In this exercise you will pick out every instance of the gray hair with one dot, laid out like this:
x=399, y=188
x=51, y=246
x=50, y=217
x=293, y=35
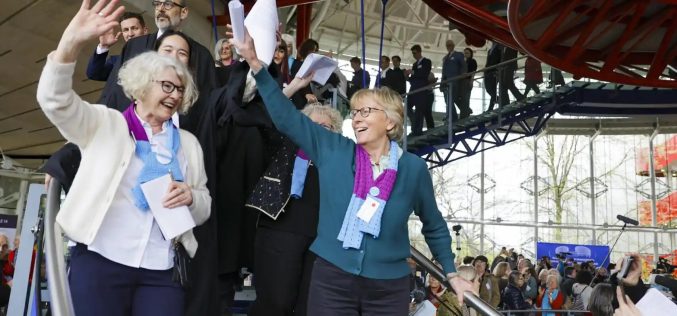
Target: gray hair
x=328, y=111
x=217, y=50
x=392, y=104
x=137, y=74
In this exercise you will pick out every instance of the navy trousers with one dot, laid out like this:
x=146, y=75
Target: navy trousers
x=105, y=288
x=334, y=292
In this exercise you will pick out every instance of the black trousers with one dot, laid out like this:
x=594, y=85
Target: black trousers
x=423, y=102
x=508, y=84
x=531, y=86
x=282, y=266
x=490, y=85
x=334, y=292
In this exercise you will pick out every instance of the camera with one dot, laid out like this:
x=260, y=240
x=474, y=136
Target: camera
x=625, y=268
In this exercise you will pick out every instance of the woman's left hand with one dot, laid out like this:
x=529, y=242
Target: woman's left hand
x=178, y=194
x=625, y=305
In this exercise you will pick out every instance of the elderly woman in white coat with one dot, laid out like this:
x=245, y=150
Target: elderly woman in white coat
x=122, y=264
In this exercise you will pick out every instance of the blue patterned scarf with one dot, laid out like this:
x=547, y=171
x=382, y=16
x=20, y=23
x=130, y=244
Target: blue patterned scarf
x=152, y=168
x=354, y=228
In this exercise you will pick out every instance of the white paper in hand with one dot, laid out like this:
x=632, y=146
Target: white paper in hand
x=172, y=222
x=323, y=67
x=262, y=23
x=236, y=10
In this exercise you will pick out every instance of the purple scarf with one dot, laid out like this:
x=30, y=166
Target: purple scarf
x=364, y=188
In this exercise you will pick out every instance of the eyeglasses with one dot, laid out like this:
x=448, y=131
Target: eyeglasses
x=167, y=5
x=168, y=87
x=364, y=112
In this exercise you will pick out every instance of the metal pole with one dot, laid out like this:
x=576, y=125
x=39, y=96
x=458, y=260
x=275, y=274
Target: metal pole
x=593, y=198
x=535, y=194
x=484, y=97
x=56, y=266
x=450, y=110
x=652, y=174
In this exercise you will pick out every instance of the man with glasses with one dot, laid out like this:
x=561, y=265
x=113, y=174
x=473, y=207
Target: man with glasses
x=100, y=65
x=169, y=15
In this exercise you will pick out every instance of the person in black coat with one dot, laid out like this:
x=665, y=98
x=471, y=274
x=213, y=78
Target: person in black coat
x=508, y=76
x=395, y=77
x=168, y=16
x=512, y=295
x=287, y=225
x=491, y=75
x=419, y=77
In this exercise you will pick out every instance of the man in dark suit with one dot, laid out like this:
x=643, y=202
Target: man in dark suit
x=395, y=77
x=100, y=64
x=491, y=75
x=419, y=77
x=382, y=78
x=508, y=76
x=454, y=65
x=360, y=79
x=168, y=15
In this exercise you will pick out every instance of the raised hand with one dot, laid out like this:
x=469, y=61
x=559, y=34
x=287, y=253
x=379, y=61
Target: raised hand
x=246, y=49
x=109, y=38
x=87, y=24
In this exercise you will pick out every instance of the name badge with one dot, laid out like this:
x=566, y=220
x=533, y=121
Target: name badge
x=368, y=209
x=420, y=65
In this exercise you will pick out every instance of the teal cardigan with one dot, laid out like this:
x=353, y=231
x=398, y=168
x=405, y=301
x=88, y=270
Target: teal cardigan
x=333, y=154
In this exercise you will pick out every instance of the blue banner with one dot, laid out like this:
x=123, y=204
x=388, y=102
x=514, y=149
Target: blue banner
x=579, y=253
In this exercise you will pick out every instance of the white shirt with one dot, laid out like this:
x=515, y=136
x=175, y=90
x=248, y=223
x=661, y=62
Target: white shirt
x=129, y=235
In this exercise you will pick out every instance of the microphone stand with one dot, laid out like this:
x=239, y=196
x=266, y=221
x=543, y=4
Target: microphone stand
x=609, y=253
x=458, y=242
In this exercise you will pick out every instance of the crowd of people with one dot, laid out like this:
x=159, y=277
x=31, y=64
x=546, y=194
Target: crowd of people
x=514, y=283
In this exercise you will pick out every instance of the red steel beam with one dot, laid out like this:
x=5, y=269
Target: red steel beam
x=582, y=69
x=480, y=13
x=303, y=15
x=585, y=33
x=660, y=60
x=632, y=31
x=549, y=34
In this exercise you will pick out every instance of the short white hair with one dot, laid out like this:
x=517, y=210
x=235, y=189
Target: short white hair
x=219, y=45
x=328, y=111
x=137, y=75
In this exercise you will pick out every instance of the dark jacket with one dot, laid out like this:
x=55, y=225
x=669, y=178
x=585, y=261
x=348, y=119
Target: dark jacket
x=420, y=73
x=513, y=299
x=100, y=66
x=395, y=80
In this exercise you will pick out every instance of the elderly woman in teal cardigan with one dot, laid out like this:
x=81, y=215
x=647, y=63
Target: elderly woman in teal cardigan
x=368, y=190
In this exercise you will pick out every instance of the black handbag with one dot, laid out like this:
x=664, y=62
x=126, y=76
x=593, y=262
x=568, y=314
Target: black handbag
x=181, y=262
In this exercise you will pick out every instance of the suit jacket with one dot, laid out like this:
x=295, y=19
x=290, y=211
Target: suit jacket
x=493, y=57
x=201, y=64
x=453, y=65
x=395, y=80
x=100, y=66
x=420, y=72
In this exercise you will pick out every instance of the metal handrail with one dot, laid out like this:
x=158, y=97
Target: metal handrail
x=469, y=298
x=560, y=311
x=60, y=294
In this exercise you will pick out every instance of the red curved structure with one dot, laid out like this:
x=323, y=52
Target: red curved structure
x=628, y=42
x=622, y=41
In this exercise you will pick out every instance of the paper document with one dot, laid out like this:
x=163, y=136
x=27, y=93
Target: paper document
x=262, y=23
x=323, y=67
x=172, y=222
x=236, y=11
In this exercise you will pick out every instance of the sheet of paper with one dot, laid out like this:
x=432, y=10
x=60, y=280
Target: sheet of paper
x=655, y=303
x=172, y=222
x=262, y=23
x=323, y=67
x=236, y=10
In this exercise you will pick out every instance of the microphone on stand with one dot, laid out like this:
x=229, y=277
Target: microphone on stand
x=457, y=229
x=627, y=220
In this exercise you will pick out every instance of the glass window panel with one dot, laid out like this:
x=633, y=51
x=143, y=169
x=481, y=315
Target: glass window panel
x=564, y=167
x=507, y=169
